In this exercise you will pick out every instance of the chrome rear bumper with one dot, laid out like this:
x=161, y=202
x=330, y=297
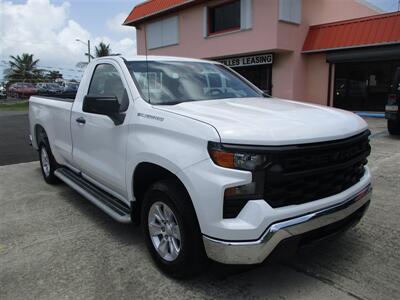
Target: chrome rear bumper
x=253, y=252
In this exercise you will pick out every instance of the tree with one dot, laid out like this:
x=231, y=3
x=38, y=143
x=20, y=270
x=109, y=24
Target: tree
x=53, y=75
x=103, y=50
x=23, y=68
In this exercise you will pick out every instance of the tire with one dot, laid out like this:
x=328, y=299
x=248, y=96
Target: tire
x=47, y=163
x=188, y=260
x=394, y=127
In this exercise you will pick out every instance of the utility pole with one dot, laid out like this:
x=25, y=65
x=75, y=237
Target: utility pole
x=88, y=46
x=89, y=49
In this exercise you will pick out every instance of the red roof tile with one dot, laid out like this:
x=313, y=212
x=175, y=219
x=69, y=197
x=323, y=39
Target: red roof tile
x=151, y=8
x=367, y=31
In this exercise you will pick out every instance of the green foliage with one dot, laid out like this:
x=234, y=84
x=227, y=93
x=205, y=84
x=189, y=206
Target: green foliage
x=103, y=50
x=18, y=106
x=23, y=68
x=53, y=75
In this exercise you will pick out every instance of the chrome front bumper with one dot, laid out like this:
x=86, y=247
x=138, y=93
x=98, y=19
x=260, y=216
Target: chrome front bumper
x=253, y=252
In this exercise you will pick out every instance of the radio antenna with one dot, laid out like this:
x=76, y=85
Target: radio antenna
x=147, y=64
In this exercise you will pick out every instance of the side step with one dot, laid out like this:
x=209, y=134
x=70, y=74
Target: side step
x=112, y=206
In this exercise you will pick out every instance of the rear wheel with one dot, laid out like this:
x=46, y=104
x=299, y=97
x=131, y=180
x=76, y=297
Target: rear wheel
x=394, y=127
x=171, y=229
x=48, y=164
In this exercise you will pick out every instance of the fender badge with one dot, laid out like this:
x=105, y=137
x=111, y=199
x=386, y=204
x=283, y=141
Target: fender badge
x=151, y=117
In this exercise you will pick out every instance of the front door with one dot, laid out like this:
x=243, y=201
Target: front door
x=99, y=146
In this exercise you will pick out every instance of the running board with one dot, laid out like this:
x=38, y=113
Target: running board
x=112, y=206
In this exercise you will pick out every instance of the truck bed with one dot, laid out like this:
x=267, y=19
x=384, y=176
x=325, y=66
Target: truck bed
x=54, y=115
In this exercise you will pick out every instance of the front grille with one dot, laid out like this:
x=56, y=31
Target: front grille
x=304, y=173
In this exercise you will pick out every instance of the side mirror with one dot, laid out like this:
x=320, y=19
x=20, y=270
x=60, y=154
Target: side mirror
x=104, y=105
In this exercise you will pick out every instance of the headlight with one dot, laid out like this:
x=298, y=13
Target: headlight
x=236, y=160
x=227, y=156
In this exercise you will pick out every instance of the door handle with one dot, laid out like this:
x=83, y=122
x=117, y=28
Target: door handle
x=80, y=121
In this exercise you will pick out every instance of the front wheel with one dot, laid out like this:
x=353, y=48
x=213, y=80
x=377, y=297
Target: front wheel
x=48, y=164
x=394, y=127
x=171, y=229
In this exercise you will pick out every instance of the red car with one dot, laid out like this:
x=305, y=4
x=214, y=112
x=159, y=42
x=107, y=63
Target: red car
x=22, y=90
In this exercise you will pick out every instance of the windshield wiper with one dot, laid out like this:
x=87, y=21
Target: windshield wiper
x=177, y=102
x=266, y=95
x=170, y=103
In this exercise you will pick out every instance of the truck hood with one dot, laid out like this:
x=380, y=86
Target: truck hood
x=271, y=121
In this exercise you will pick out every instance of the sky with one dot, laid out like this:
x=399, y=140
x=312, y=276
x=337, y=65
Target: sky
x=49, y=29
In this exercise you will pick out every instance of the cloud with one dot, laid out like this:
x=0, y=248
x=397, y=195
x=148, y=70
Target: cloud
x=47, y=30
x=115, y=24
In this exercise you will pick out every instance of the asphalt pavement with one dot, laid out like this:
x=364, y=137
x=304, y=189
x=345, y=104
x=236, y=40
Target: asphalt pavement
x=14, y=138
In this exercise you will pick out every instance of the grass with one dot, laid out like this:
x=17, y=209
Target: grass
x=17, y=106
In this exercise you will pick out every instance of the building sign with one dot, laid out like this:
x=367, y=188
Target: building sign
x=245, y=61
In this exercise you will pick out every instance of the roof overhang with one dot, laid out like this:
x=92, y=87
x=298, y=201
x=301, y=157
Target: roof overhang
x=377, y=30
x=156, y=8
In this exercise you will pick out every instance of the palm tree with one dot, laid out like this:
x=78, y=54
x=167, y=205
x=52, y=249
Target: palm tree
x=23, y=67
x=53, y=75
x=103, y=50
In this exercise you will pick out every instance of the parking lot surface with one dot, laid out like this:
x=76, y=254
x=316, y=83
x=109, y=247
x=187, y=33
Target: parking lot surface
x=56, y=245
x=14, y=138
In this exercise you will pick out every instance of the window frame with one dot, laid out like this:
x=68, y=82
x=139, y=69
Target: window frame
x=289, y=17
x=160, y=22
x=210, y=18
x=120, y=76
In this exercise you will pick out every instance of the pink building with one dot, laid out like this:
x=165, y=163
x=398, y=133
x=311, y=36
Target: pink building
x=280, y=45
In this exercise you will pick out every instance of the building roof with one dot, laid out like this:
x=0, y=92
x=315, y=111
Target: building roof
x=361, y=32
x=151, y=8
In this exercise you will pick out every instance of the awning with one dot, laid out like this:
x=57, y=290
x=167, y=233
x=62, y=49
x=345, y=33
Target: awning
x=383, y=29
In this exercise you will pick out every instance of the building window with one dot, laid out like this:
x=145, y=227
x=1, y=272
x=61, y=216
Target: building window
x=224, y=17
x=162, y=33
x=290, y=11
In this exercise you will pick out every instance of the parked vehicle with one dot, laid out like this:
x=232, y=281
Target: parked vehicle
x=70, y=90
x=71, y=87
x=22, y=90
x=49, y=88
x=208, y=171
x=392, y=109
x=3, y=93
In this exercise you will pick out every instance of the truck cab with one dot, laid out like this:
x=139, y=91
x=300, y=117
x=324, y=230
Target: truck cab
x=392, y=109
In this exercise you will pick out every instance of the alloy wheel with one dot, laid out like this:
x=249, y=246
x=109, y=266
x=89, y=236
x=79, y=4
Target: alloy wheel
x=164, y=231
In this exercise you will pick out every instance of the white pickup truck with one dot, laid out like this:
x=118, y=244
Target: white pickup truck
x=203, y=160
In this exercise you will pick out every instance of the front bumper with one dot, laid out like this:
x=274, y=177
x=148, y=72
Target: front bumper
x=256, y=251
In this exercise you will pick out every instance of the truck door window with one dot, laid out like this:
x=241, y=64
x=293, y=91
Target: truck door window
x=107, y=82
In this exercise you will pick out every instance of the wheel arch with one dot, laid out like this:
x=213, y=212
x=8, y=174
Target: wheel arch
x=39, y=134
x=144, y=175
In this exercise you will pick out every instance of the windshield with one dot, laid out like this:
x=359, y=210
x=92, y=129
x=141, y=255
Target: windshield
x=28, y=85
x=172, y=82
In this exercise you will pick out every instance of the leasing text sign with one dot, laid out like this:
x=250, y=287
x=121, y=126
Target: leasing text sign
x=243, y=61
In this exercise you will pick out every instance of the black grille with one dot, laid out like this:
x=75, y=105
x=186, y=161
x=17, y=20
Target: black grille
x=304, y=173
